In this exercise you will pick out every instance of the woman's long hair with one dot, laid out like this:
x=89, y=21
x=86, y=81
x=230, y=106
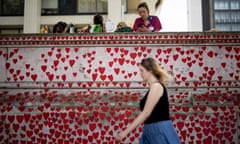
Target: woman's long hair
x=151, y=65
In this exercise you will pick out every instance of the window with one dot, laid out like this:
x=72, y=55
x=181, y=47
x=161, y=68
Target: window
x=8, y=29
x=223, y=15
x=67, y=7
x=11, y=7
x=92, y=6
x=49, y=7
x=72, y=7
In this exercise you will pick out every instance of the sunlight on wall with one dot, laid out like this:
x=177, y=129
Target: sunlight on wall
x=173, y=15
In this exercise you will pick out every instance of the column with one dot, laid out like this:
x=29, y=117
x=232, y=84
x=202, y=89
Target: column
x=32, y=14
x=115, y=11
x=194, y=15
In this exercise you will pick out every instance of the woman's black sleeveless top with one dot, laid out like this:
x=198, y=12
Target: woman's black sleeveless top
x=161, y=109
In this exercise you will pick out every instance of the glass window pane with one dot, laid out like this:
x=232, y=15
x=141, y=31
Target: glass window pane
x=49, y=4
x=0, y=7
x=12, y=7
x=49, y=7
x=102, y=6
x=86, y=6
x=9, y=31
x=67, y=6
x=227, y=15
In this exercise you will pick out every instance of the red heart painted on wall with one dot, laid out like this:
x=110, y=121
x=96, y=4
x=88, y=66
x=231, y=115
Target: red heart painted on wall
x=7, y=65
x=44, y=68
x=34, y=77
x=64, y=77
x=71, y=62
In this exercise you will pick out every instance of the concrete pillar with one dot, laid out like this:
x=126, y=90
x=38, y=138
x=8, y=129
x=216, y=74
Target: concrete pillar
x=194, y=15
x=115, y=11
x=32, y=14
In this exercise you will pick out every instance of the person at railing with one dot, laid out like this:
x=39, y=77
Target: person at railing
x=60, y=27
x=123, y=27
x=146, y=22
x=158, y=128
x=97, y=25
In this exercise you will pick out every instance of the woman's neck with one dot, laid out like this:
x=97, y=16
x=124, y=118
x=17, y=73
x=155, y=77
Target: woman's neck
x=152, y=80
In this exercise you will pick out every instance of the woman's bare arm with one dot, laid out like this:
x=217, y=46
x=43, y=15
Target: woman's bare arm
x=156, y=91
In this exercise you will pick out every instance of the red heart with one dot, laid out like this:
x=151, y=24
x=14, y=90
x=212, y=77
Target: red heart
x=85, y=132
x=79, y=131
x=64, y=77
x=92, y=126
x=11, y=118
x=15, y=127
x=34, y=77
x=185, y=109
x=208, y=139
x=71, y=62
x=180, y=125
x=50, y=77
x=40, y=108
x=133, y=55
x=43, y=67
x=19, y=118
x=175, y=57
x=190, y=74
x=103, y=77
x=7, y=65
x=55, y=62
x=11, y=70
x=184, y=78
x=210, y=54
x=238, y=64
x=110, y=77
x=21, y=77
x=229, y=48
x=11, y=54
x=58, y=55
x=121, y=61
x=101, y=69
x=50, y=54
x=108, y=50
x=94, y=76
x=102, y=116
x=76, y=50
x=133, y=62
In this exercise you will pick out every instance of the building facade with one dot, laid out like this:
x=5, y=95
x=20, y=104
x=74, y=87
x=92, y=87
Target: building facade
x=27, y=16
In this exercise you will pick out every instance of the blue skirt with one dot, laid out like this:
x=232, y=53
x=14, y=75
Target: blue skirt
x=161, y=132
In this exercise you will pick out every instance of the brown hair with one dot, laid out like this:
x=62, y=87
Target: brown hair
x=144, y=5
x=151, y=65
x=121, y=24
x=98, y=19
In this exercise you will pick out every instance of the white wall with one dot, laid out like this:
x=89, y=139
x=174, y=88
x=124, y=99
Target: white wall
x=180, y=15
x=194, y=15
x=173, y=15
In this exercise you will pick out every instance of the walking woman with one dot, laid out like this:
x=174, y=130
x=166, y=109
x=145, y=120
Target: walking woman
x=158, y=128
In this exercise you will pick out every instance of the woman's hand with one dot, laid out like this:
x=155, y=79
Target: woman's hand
x=120, y=136
x=143, y=29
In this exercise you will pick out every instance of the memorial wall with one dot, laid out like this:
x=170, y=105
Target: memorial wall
x=85, y=88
